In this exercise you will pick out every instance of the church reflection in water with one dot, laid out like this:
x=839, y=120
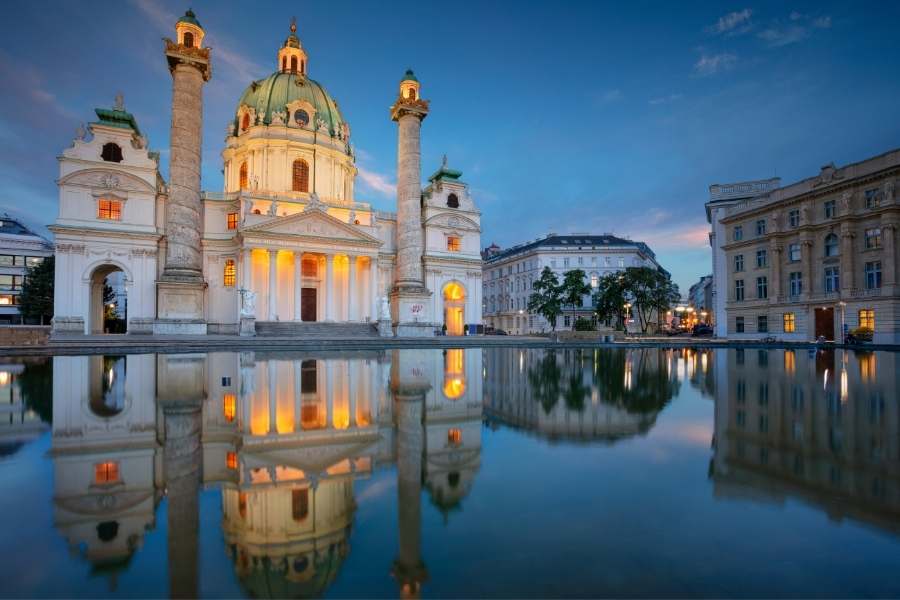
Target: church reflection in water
x=821, y=427
x=283, y=435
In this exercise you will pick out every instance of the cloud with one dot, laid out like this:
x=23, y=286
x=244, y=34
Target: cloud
x=709, y=65
x=378, y=183
x=665, y=99
x=734, y=23
x=799, y=28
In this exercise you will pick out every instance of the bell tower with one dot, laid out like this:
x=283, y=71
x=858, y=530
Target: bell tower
x=410, y=299
x=181, y=288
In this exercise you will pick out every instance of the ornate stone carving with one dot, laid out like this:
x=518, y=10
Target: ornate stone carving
x=314, y=203
x=273, y=208
x=352, y=218
x=846, y=197
x=278, y=117
x=889, y=192
x=248, y=303
x=80, y=132
x=828, y=174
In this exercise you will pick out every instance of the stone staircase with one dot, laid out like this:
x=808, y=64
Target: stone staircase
x=316, y=330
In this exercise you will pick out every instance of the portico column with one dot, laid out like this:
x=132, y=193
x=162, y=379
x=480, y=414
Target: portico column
x=298, y=260
x=352, y=387
x=246, y=268
x=329, y=394
x=373, y=288
x=273, y=284
x=329, y=288
x=351, y=288
x=273, y=407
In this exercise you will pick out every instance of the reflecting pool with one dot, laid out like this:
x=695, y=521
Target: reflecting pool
x=452, y=473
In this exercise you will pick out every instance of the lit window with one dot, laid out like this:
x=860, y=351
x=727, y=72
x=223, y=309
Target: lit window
x=111, y=153
x=230, y=273
x=789, y=322
x=7, y=300
x=245, y=122
x=109, y=210
x=595, y=280
x=232, y=220
x=106, y=472
x=453, y=243
x=242, y=174
x=231, y=460
x=188, y=39
x=300, y=175
x=867, y=318
x=454, y=436
x=229, y=407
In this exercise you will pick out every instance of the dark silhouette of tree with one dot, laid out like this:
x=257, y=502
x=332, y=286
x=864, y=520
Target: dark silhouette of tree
x=36, y=299
x=36, y=386
x=635, y=379
x=547, y=298
x=544, y=379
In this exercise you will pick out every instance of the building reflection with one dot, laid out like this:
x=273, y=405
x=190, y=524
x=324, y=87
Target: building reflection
x=21, y=416
x=284, y=436
x=587, y=395
x=822, y=427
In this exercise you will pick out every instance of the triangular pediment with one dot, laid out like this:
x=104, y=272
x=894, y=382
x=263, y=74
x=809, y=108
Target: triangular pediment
x=312, y=223
x=311, y=459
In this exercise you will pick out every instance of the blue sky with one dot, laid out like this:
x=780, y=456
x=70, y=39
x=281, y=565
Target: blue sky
x=563, y=116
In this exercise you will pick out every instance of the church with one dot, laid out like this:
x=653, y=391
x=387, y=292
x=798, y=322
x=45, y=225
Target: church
x=285, y=248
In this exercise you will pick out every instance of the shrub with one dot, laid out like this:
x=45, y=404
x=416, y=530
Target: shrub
x=582, y=324
x=863, y=333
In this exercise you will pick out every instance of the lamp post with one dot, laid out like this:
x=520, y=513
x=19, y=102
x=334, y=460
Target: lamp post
x=843, y=306
x=627, y=307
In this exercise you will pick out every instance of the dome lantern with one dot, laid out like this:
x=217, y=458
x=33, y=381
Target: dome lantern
x=409, y=86
x=188, y=30
x=291, y=56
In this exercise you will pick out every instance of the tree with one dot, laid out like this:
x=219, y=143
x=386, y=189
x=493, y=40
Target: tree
x=649, y=290
x=547, y=298
x=574, y=288
x=544, y=379
x=36, y=299
x=610, y=299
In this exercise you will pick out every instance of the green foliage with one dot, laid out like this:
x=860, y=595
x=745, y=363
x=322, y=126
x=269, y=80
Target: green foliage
x=574, y=288
x=647, y=290
x=544, y=379
x=547, y=298
x=863, y=333
x=36, y=386
x=610, y=299
x=636, y=380
x=582, y=324
x=36, y=299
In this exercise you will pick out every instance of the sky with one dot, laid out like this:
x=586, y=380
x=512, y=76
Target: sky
x=565, y=117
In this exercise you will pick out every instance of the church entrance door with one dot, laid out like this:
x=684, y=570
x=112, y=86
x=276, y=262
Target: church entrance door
x=308, y=304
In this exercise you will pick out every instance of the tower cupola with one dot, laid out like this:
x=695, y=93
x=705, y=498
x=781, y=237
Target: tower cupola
x=409, y=86
x=188, y=30
x=292, y=57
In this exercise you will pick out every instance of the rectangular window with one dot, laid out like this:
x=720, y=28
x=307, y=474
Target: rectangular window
x=109, y=210
x=232, y=220
x=873, y=237
x=794, y=218
x=33, y=261
x=762, y=324
x=873, y=199
x=832, y=279
x=762, y=287
x=789, y=325
x=454, y=436
x=794, y=252
x=567, y=321
x=580, y=260
x=10, y=282
x=873, y=275
x=761, y=227
x=453, y=243
x=739, y=324
x=621, y=263
x=229, y=406
x=230, y=273
x=796, y=281
x=565, y=262
x=231, y=460
x=829, y=209
x=738, y=290
x=762, y=258
x=867, y=318
x=738, y=233
x=106, y=472
x=8, y=300
x=738, y=263
x=7, y=260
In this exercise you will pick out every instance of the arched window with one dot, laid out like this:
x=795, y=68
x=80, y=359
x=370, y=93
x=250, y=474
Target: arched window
x=453, y=201
x=293, y=64
x=411, y=93
x=188, y=39
x=242, y=184
x=111, y=152
x=299, y=504
x=284, y=63
x=831, y=245
x=300, y=176
x=245, y=122
x=107, y=531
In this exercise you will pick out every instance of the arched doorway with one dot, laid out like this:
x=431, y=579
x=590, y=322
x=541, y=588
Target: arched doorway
x=109, y=304
x=454, y=308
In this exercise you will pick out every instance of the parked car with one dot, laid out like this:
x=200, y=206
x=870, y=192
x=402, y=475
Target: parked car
x=492, y=331
x=701, y=329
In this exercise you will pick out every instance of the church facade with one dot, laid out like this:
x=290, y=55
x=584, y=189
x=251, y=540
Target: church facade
x=286, y=243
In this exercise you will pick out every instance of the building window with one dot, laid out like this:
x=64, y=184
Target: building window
x=831, y=245
x=738, y=263
x=738, y=290
x=739, y=324
x=230, y=273
x=231, y=460
x=794, y=218
x=242, y=177
x=111, y=153
x=453, y=201
x=829, y=209
x=454, y=244
x=796, y=281
x=567, y=321
x=106, y=472
x=595, y=280
x=245, y=122
x=293, y=64
x=762, y=324
x=309, y=267
x=309, y=383
x=761, y=258
x=565, y=262
x=8, y=300
x=232, y=220
x=738, y=233
x=762, y=287
x=832, y=279
x=867, y=318
x=789, y=325
x=794, y=252
x=284, y=63
x=299, y=504
x=188, y=39
x=873, y=237
x=873, y=200
x=229, y=407
x=454, y=436
x=9, y=283
x=873, y=275
x=300, y=179
x=109, y=210
x=621, y=263
x=761, y=227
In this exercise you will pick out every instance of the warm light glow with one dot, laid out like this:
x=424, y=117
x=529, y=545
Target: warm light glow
x=454, y=436
x=229, y=407
x=231, y=460
x=339, y=468
x=106, y=472
x=790, y=360
x=454, y=388
x=4, y=378
x=867, y=367
x=844, y=385
x=628, y=377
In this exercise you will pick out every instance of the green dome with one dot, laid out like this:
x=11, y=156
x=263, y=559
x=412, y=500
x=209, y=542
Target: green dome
x=190, y=17
x=279, y=89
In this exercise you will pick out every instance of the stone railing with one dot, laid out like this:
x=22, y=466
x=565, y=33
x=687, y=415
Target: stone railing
x=287, y=198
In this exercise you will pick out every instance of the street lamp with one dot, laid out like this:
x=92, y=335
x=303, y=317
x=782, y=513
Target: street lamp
x=627, y=307
x=843, y=306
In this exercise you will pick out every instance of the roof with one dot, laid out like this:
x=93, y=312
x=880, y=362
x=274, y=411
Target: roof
x=445, y=173
x=409, y=76
x=580, y=241
x=117, y=118
x=190, y=17
x=12, y=226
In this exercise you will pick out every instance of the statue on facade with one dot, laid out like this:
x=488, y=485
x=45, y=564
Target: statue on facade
x=273, y=209
x=384, y=312
x=352, y=218
x=80, y=132
x=314, y=202
x=845, y=203
x=248, y=303
x=278, y=117
x=119, y=103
